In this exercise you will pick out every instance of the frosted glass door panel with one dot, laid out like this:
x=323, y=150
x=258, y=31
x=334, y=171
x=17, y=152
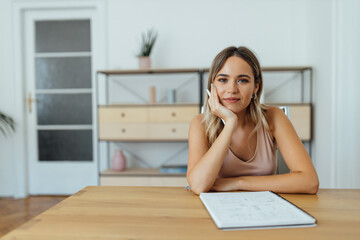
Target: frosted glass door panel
x=64, y=72
x=57, y=109
x=59, y=76
x=65, y=145
x=63, y=36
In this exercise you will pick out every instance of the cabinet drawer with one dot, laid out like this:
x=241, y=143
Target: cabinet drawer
x=300, y=116
x=126, y=131
x=173, y=114
x=123, y=115
x=168, y=131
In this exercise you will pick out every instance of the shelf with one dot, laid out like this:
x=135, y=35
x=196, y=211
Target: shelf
x=286, y=69
x=135, y=105
x=287, y=104
x=193, y=70
x=279, y=69
x=144, y=140
x=149, y=71
x=143, y=172
x=142, y=177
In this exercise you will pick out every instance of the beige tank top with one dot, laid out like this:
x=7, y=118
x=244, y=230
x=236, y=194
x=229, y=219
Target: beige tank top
x=264, y=161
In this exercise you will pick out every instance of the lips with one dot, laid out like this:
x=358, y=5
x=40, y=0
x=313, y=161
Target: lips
x=231, y=99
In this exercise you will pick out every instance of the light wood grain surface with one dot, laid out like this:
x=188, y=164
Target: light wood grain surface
x=174, y=213
x=158, y=122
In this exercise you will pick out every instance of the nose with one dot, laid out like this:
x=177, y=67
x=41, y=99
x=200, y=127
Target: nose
x=232, y=87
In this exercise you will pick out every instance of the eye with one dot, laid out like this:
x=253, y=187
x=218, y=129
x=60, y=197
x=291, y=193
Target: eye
x=243, y=80
x=222, y=79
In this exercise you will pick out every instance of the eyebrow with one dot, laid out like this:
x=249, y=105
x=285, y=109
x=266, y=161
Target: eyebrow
x=225, y=75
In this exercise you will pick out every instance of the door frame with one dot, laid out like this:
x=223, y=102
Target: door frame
x=20, y=180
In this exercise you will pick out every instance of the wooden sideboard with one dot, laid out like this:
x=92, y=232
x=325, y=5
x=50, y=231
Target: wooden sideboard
x=300, y=117
x=146, y=122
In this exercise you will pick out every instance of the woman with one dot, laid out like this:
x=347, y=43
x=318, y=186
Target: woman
x=241, y=154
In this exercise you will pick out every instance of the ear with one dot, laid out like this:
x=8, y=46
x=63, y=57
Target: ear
x=256, y=88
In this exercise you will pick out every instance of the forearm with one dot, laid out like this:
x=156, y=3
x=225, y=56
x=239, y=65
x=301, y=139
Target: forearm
x=296, y=182
x=203, y=175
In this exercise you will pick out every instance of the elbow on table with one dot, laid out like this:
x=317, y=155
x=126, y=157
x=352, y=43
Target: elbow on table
x=197, y=188
x=313, y=187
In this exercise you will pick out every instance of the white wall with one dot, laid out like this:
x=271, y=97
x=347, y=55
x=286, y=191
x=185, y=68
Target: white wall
x=191, y=33
x=282, y=33
x=346, y=85
x=7, y=99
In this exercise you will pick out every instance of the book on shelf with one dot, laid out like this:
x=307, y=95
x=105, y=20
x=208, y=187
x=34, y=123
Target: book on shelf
x=173, y=169
x=254, y=210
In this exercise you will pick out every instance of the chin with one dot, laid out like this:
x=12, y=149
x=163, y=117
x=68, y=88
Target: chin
x=234, y=110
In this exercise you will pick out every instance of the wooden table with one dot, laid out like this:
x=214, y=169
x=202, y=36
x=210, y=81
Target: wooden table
x=174, y=213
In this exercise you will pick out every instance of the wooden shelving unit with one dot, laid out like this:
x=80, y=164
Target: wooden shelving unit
x=146, y=123
x=301, y=117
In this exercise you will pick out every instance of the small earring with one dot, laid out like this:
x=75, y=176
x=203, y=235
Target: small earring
x=254, y=96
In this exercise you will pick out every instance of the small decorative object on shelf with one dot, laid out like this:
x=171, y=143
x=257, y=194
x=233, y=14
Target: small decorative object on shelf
x=152, y=95
x=171, y=96
x=118, y=162
x=144, y=62
x=147, y=43
x=173, y=169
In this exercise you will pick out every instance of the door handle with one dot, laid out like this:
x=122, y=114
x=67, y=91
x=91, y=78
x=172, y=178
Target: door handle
x=30, y=101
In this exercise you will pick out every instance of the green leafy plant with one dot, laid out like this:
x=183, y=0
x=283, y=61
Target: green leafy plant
x=6, y=123
x=147, y=43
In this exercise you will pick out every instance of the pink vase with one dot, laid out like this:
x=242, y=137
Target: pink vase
x=118, y=162
x=144, y=62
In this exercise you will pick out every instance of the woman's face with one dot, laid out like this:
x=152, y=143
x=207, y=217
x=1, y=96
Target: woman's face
x=235, y=84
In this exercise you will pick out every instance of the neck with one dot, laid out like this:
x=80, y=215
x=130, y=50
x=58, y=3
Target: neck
x=242, y=121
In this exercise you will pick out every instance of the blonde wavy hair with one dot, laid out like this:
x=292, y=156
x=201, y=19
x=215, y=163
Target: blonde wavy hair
x=256, y=112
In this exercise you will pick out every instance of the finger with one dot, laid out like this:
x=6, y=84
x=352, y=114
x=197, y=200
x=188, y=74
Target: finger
x=216, y=96
x=211, y=104
x=212, y=98
x=213, y=92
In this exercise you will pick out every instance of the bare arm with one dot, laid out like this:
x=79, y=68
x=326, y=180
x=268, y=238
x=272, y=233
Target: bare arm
x=204, y=163
x=302, y=177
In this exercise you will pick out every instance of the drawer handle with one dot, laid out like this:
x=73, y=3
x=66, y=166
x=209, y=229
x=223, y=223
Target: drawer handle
x=173, y=114
x=173, y=130
x=122, y=114
x=123, y=130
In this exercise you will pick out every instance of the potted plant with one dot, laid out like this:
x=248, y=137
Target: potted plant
x=147, y=43
x=6, y=123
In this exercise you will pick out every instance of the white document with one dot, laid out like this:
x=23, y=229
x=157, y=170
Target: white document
x=254, y=210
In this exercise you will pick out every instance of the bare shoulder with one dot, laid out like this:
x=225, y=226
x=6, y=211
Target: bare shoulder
x=279, y=123
x=197, y=128
x=273, y=111
x=197, y=120
x=273, y=115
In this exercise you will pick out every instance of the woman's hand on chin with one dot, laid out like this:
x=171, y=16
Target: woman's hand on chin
x=219, y=110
